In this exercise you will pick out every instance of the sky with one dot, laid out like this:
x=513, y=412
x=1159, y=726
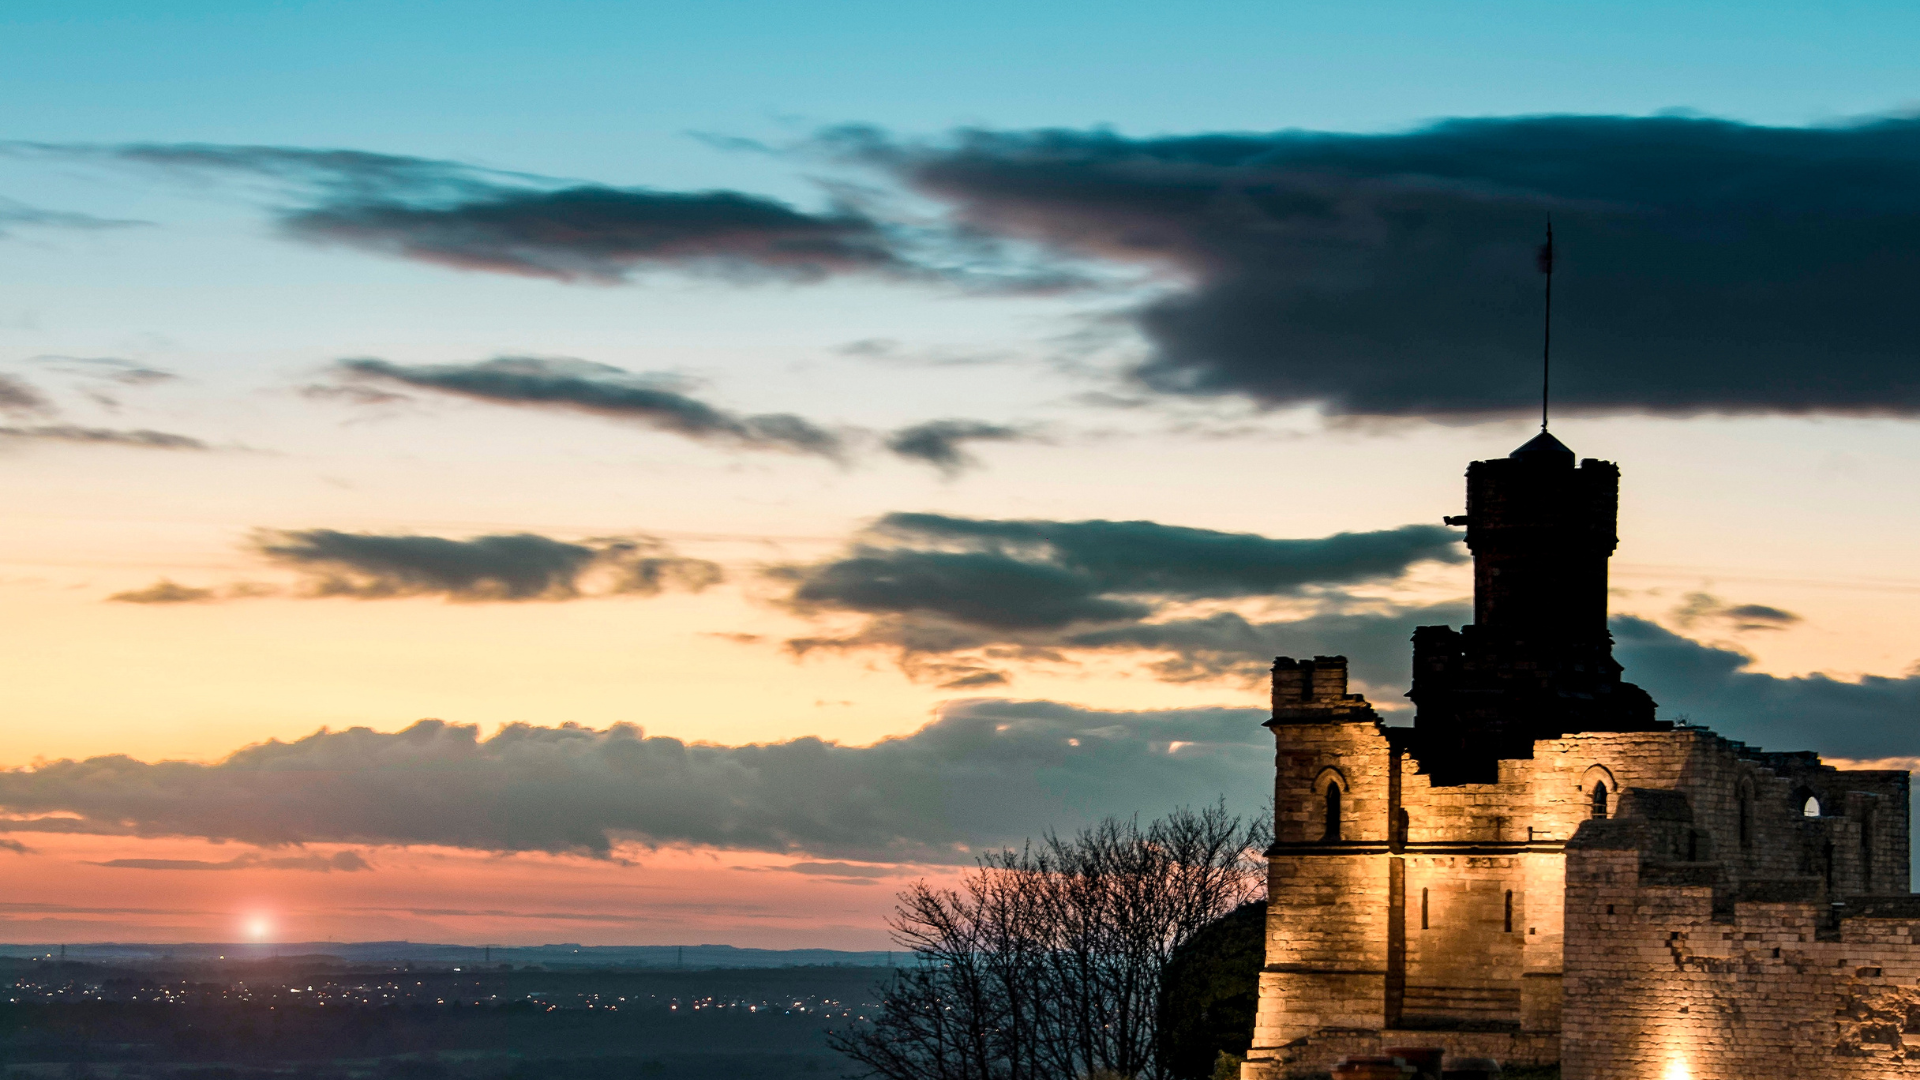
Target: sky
x=649, y=474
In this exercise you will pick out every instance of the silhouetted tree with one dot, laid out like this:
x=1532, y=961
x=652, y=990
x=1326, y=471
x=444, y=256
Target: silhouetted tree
x=1210, y=992
x=1047, y=963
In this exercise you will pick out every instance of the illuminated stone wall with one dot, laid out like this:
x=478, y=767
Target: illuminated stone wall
x=1433, y=916
x=1669, y=977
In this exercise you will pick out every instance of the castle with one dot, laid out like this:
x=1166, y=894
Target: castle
x=1539, y=871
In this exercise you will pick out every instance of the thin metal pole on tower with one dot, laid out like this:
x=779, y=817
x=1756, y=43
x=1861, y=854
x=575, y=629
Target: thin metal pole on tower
x=1545, y=258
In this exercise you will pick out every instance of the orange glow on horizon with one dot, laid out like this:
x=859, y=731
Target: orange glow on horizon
x=62, y=890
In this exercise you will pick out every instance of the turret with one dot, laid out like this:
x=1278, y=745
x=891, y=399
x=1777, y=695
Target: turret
x=1315, y=692
x=1541, y=531
x=1537, y=661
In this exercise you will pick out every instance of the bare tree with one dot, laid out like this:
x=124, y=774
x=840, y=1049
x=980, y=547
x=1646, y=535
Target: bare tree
x=1046, y=963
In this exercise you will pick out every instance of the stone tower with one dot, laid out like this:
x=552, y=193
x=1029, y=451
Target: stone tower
x=1516, y=863
x=1537, y=661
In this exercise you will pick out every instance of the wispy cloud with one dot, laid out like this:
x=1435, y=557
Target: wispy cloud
x=942, y=443
x=20, y=398
x=164, y=591
x=510, y=566
x=491, y=220
x=110, y=368
x=138, y=438
x=346, y=861
x=16, y=214
x=603, y=390
x=1701, y=607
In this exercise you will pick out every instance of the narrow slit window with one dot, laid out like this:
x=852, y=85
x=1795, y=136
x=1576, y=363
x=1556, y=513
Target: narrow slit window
x=1746, y=820
x=1599, y=798
x=1866, y=849
x=1423, y=909
x=1509, y=911
x=1333, y=812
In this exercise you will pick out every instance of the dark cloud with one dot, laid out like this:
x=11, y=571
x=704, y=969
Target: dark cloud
x=942, y=443
x=140, y=438
x=606, y=391
x=1031, y=573
x=952, y=596
x=1876, y=716
x=1229, y=645
x=1701, y=607
x=515, y=566
x=164, y=592
x=983, y=773
x=603, y=234
x=472, y=218
x=347, y=861
x=1705, y=266
x=16, y=396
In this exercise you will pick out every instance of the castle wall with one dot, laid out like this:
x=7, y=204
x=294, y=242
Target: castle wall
x=1437, y=916
x=1661, y=985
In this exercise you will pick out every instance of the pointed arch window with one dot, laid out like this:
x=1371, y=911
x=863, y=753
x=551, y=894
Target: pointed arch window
x=1599, y=798
x=1333, y=813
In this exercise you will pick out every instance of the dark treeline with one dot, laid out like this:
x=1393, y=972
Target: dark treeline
x=1049, y=963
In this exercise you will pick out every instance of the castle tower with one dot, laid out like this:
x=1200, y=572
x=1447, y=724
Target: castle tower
x=1541, y=531
x=1327, y=955
x=1537, y=661
x=1537, y=864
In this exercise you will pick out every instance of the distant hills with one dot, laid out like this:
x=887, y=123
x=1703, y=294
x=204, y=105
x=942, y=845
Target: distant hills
x=690, y=957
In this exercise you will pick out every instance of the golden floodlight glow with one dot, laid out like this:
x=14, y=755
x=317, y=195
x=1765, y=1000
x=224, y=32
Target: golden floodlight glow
x=1678, y=1070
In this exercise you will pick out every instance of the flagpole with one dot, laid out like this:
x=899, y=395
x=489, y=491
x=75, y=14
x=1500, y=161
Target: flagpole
x=1546, y=342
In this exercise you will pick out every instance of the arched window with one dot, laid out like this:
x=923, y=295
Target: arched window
x=1333, y=812
x=1811, y=808
x=1509, y=911
x=1599, y=798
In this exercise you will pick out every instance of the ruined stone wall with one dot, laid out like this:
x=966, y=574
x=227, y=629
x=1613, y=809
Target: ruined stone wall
x=1660, y=985
x=1747, y=806
x=1440, y=914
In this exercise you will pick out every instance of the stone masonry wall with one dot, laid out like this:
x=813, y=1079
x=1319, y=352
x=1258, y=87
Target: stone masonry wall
x=1659, y=985
x=1445, y=914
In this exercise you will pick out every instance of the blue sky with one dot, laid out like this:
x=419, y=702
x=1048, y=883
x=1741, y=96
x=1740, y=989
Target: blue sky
x=610, y=89
x=246, y=477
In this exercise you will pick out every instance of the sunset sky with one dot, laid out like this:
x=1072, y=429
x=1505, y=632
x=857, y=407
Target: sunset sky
x=786, y=449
